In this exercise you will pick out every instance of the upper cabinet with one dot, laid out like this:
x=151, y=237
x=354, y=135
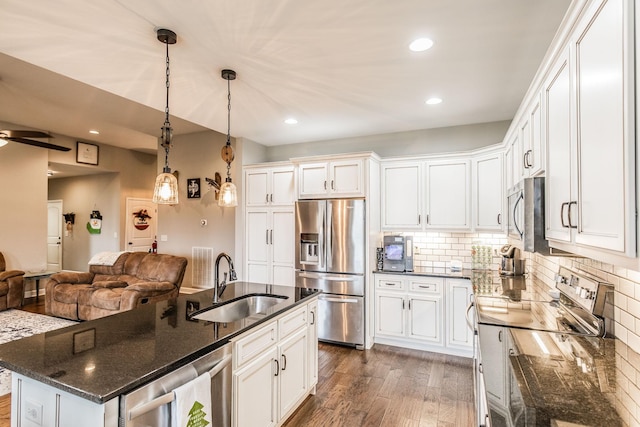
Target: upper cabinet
x=426, y=195
x=488, y=192
x=589, y=105
x=270, y=186
x=338, y=178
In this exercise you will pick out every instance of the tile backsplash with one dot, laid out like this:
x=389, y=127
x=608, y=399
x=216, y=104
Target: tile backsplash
x=434, y=251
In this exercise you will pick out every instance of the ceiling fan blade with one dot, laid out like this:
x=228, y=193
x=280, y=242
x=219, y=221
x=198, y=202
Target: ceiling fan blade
x=24, y=134
x=39, y=144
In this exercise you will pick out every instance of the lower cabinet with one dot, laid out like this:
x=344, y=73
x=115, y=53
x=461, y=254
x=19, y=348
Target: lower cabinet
x=275, y=368
x=422, y=312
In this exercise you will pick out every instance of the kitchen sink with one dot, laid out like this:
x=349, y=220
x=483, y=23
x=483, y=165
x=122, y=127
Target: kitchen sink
x=240, y=308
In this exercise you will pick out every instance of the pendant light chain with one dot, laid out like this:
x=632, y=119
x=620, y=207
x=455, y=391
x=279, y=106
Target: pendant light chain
x=166, y=108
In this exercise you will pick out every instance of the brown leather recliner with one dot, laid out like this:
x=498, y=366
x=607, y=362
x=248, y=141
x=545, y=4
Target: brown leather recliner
x=135, y=278
x=11, y=286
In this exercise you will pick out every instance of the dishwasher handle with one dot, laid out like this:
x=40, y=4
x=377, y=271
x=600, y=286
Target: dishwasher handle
x=168, y=397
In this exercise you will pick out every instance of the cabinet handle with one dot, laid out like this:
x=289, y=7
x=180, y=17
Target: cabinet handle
x=419, y=219
x=271, y=197
x=325, y=185
x=569, y=214
x=499, y=219
x=527, y=160
x=266, y=236
x=427, y=219
x=267, y=198
x=284, y=362
x=332, y=186
x=562, y=223
x=277, y=367
x=271, y=236
x=500, y=336
x=390, y=284
x=403, y=303
x=313, y=317
x=409, y=304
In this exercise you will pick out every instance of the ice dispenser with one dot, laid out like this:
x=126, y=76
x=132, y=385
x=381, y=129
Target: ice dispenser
x=309, y=248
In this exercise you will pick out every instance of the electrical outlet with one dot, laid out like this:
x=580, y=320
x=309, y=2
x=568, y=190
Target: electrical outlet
x=33, y=411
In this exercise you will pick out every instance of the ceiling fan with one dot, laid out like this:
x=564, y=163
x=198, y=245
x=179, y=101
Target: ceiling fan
x=22, y=135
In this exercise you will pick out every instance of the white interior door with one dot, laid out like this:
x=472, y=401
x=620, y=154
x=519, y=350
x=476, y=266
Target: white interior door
x=141, y=224
x=54, y=235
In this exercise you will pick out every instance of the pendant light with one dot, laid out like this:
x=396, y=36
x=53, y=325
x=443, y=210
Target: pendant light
x=166, y=189
x=228, y=195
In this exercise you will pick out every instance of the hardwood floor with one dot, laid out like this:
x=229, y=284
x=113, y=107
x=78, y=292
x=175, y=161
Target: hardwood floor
x=385, y=386
x=389, y=386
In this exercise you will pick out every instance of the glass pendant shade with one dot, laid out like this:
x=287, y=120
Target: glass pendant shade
x=228, y=196
x=165, y=191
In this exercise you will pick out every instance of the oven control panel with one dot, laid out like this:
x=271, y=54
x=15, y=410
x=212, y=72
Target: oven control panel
x=587, y=292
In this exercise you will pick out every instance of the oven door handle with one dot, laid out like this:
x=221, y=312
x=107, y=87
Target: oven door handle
x=341, y=300
x=169, y=397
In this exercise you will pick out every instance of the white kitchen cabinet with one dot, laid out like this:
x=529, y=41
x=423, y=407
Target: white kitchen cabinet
x=488, y=191
x=458, y=296
x=534, y=151
x=270, y=186
x=270, y=245
x=312, y=309
x=448, y=194
x=514, y=158
x=409, y=309
x=590, y=136
x=272, y=374
x=337, y=178
x=495, y=363
x=401, y=196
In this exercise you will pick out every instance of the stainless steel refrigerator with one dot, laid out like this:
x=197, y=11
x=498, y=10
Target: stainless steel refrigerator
x=330, y=256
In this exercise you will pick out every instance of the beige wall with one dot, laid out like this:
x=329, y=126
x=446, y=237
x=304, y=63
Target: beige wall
x=425, y=141
x=23, y=216
x=197, y=155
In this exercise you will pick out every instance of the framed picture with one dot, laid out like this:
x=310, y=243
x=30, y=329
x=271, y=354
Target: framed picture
x=86, y=153
x=192, y=307
x=193, y=188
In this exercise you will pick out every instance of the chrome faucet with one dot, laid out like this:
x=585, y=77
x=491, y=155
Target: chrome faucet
x=219, y=287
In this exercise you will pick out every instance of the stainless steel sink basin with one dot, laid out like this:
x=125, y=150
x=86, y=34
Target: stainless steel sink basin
x=240, y=308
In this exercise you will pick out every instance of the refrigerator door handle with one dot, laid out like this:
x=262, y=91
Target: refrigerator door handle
x=324, y=276
x=340, y=300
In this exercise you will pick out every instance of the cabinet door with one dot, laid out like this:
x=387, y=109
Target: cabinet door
x=312, y=318
x=390, y=314
x=346, y=178
x=489, y=193
x=494, y=363
x=459, y=333
x=282, y=237
x=515, y=148
x=448, y=195
x=425, y=318
x=557, y=102
x=293, y=371
x=255, y=396
x=312, y=180
x=282, y=187
x=535, y=159
x=401, y=196
x=525, y=147
x=602, y=79
x=257, y=187
x=257, y=238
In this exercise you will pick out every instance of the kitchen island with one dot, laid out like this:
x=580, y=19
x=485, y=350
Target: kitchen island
x=76, y=375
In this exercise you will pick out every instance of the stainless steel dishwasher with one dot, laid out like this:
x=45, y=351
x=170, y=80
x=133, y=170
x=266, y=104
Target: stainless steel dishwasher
x=150, y=405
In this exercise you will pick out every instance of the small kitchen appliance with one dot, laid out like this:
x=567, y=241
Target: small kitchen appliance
x=398, y=253
x=511, y=264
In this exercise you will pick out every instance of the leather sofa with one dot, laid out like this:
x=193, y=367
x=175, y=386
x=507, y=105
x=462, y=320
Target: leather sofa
x=134, y=279
x=11, y=286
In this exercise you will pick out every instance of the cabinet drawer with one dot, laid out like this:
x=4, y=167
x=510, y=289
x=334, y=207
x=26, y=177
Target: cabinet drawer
x=292, y=322
x=255, y=343
x=430, y=285
x=397, y=284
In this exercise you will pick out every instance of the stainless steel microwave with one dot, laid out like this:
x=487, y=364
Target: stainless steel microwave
x=525, y=215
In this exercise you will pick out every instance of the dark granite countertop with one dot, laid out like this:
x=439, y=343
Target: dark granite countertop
x=103, y=358
x=552, y=377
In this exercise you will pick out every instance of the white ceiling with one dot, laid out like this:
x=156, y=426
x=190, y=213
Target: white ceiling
x=342, y=68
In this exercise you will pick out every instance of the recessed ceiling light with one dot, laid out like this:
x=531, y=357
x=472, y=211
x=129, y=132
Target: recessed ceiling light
x=420, y=45
x=433, y=101
x=291, y=121
x=94, y=132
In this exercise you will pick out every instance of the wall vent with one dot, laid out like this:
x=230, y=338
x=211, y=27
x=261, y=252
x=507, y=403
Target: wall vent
x=202, y=269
